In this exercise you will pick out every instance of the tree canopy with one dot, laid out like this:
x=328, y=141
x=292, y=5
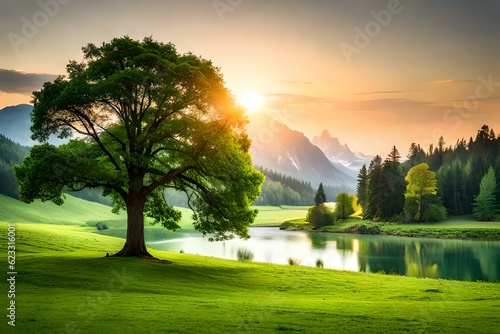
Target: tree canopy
x=421, y=182
x=146, y=118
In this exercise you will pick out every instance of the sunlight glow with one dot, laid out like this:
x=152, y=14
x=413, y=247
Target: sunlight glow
x=251, y=100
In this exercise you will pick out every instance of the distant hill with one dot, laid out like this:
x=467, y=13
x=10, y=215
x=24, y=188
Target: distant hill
x=15, y=123
x=276, y=147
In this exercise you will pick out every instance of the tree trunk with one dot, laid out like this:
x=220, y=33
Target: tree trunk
x=135, y=244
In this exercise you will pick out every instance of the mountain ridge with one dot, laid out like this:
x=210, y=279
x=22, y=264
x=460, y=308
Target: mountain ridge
x=340, y=154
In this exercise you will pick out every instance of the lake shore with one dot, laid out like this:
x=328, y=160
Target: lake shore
x=457, y=228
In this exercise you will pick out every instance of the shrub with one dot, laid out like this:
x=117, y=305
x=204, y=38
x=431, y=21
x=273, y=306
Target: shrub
x=101, y=226
x=363, y=229
x=285, y=225
x=319, y=216
x=244, y=255
x=410, y=210
x=434, y=213
x=319, y=263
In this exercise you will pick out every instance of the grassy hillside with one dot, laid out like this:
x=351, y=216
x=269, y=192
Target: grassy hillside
x=79, y=212
x=74, y=211
x=65, y=285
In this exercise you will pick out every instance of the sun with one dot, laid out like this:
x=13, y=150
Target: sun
x=251, y=100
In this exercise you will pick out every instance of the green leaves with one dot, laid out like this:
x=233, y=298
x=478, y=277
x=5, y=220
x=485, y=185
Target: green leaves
x=39, y=176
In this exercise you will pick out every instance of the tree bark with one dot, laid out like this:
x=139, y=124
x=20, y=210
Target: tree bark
x=135, y=246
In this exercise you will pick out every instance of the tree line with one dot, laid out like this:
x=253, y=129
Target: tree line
x=454, y=180
x=279, y=189
x=429, y=186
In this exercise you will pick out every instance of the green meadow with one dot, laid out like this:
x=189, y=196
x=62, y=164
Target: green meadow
x=65, y=284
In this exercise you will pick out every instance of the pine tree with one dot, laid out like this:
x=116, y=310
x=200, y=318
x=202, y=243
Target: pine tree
x=394, y=156
x=394, y=186
x=362, y=186
x=375, y=189
x=320, y=197
x=485, y=207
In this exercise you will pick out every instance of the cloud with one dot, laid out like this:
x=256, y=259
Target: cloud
x=12, y=81
x=449, y=81
x=444, y=81
x=386, y=92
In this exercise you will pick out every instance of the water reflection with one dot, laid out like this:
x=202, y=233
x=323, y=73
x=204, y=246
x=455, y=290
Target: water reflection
x=455, y=259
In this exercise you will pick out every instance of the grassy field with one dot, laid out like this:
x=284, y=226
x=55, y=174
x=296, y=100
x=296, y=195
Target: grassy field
x=274, y=216
x=65, y=285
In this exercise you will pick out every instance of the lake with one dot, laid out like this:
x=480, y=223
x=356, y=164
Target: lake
x=450, y=259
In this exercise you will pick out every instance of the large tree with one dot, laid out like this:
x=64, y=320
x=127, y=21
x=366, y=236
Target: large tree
x=146, y=118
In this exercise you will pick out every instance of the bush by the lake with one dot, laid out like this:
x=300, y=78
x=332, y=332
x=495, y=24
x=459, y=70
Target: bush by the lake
x=293, y=261
x=244, y=255
x=319, y=263
x=435, y=213
x=101, y=226
x=321, y=215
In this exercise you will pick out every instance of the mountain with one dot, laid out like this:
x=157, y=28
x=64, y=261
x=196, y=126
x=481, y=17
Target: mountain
x=15, y=123
x=276, y=147
x=340, y=154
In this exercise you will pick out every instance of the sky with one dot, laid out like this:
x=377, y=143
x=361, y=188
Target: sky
x=374, y=73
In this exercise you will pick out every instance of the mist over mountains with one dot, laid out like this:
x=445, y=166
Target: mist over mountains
x=274, y=147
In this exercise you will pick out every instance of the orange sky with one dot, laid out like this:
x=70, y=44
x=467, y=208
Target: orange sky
x=374, y=73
